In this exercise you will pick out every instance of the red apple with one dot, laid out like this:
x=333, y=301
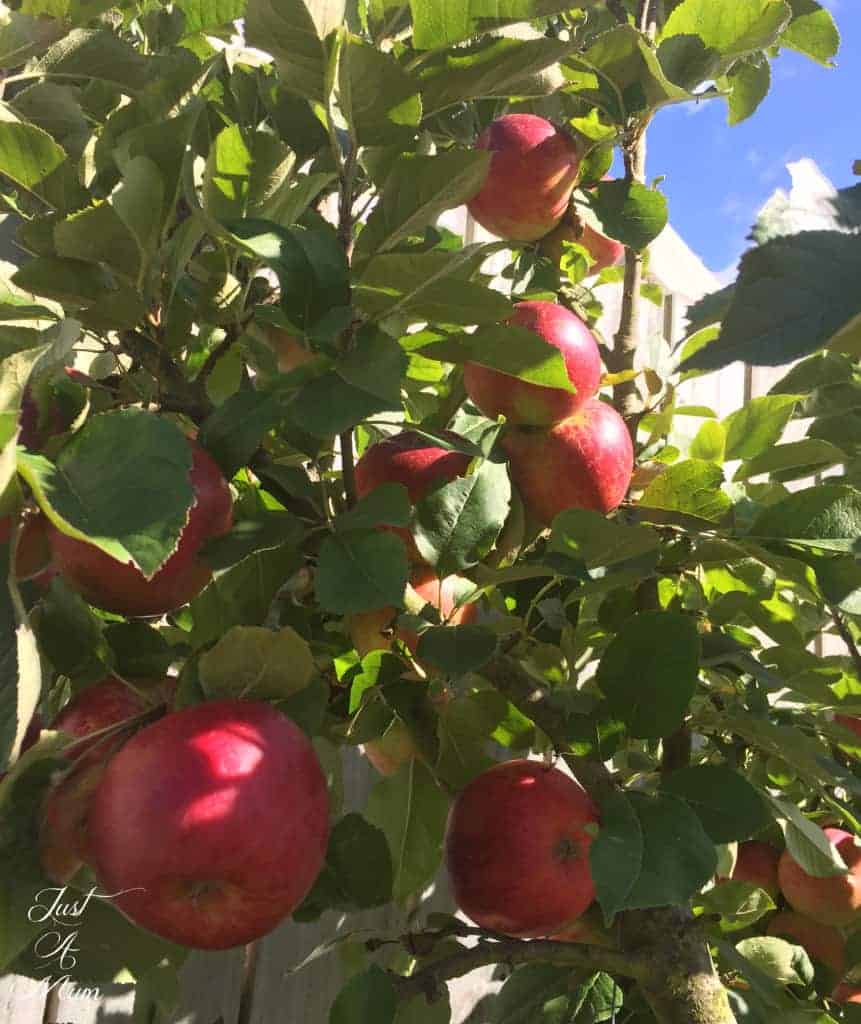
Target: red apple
x=835, y=900
x=289, y=351
x=411, y=460
x=63, y=838
x=520, y=402
x=517, y=849
x=373, y=631
x=757, y=863
x=211, y=824
x=33, y=556
x=849, y=722
x=821, y=941
x=122, y=587
x=604, y=252
x=846, y=994
x=532, y=173
x=585, y=461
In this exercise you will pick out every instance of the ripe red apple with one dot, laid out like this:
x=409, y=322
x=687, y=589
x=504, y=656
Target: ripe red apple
x=604, y=251
x=585, y=461
x=211, y=824
x=33, y=556
x=63, y=837
x=757, y=863
x=517, y=849
x=835, y=900
x=846, y=994
x=532, y=173
x=122, y=587
x=520, y=402
x=373, y=631
x=289, y=351
x=411, y=460
x=821, y=941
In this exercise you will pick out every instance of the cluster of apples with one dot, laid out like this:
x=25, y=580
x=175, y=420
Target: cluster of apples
x=206, y=826
x=820, y=910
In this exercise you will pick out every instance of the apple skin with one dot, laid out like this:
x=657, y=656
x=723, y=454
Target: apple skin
x=63, y=837
x=121, y=587
x=289, y=351
x=211, y=824
x=519, y=401
x=372, y=631
x=756, y=863
x=835, y=901
x=849, y=722
x=517, y=852
x=532, y=174
x=605, y=252
x=585, y=461
x=821, y=941
x=409, y=459
x=846, y=994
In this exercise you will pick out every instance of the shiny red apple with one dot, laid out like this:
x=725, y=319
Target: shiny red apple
x=533, y=170
x=585, y=462
x=517, y=849
x=846, y=993
x=211, y=824
x=757, y=863
x=835, y=900
x=122, y=587
x=521, y=402
x=409, y=459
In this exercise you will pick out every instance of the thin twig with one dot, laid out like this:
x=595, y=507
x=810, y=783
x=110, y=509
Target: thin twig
x=348, y=468
x=846, y=637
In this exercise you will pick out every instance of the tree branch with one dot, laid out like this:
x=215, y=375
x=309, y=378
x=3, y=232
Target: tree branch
x=846, y=637
x=180, y=394
x=428, y=980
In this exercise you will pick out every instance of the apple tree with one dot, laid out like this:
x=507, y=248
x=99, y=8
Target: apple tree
x=293, y=473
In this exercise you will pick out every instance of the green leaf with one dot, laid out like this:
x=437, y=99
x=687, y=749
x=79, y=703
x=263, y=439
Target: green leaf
x=432, y=286
x=379, y=100
x=727, y=805
x=457, y=649
x=241, y=596
x=226, y=176
x=360, y=571
x=616, y=855
x=710, y=442
x=627, y=211
x=97, y=234
x=783, y=962
x=740, y=904
x=750, y=82
x=840, y=581
x=369, y=996
x=794, y=295
x=649, y=671
x=98, y=55
x=416, y=191
x=419, y=1011
x=138, y=651
x=72, y=637
x=140, y=192
x=100, y=489
x=388, y=504
x=23, y=37
x=234, y=431
x=733, y=27
x=20, y=674
x=28, y=154
x=598, y=999
x=812, y=31
x=206, y=15
x=516, y=351
x=534, y=994
x=806, y=842
x=365, y=382
x=254, y=663
x=758, y=425
x=457, y=524
x=437, y=23
x=827, y=516
x=678, y=858
x=293, y=32
x=793, y=460
x=597, y=541
x=411, y=810
x=490, y=67
x=691, y=487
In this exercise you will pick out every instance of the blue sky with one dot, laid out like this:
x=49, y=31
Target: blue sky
x=718, y=177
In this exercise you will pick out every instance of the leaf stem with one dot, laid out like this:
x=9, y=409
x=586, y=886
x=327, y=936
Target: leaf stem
x=846, y=637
